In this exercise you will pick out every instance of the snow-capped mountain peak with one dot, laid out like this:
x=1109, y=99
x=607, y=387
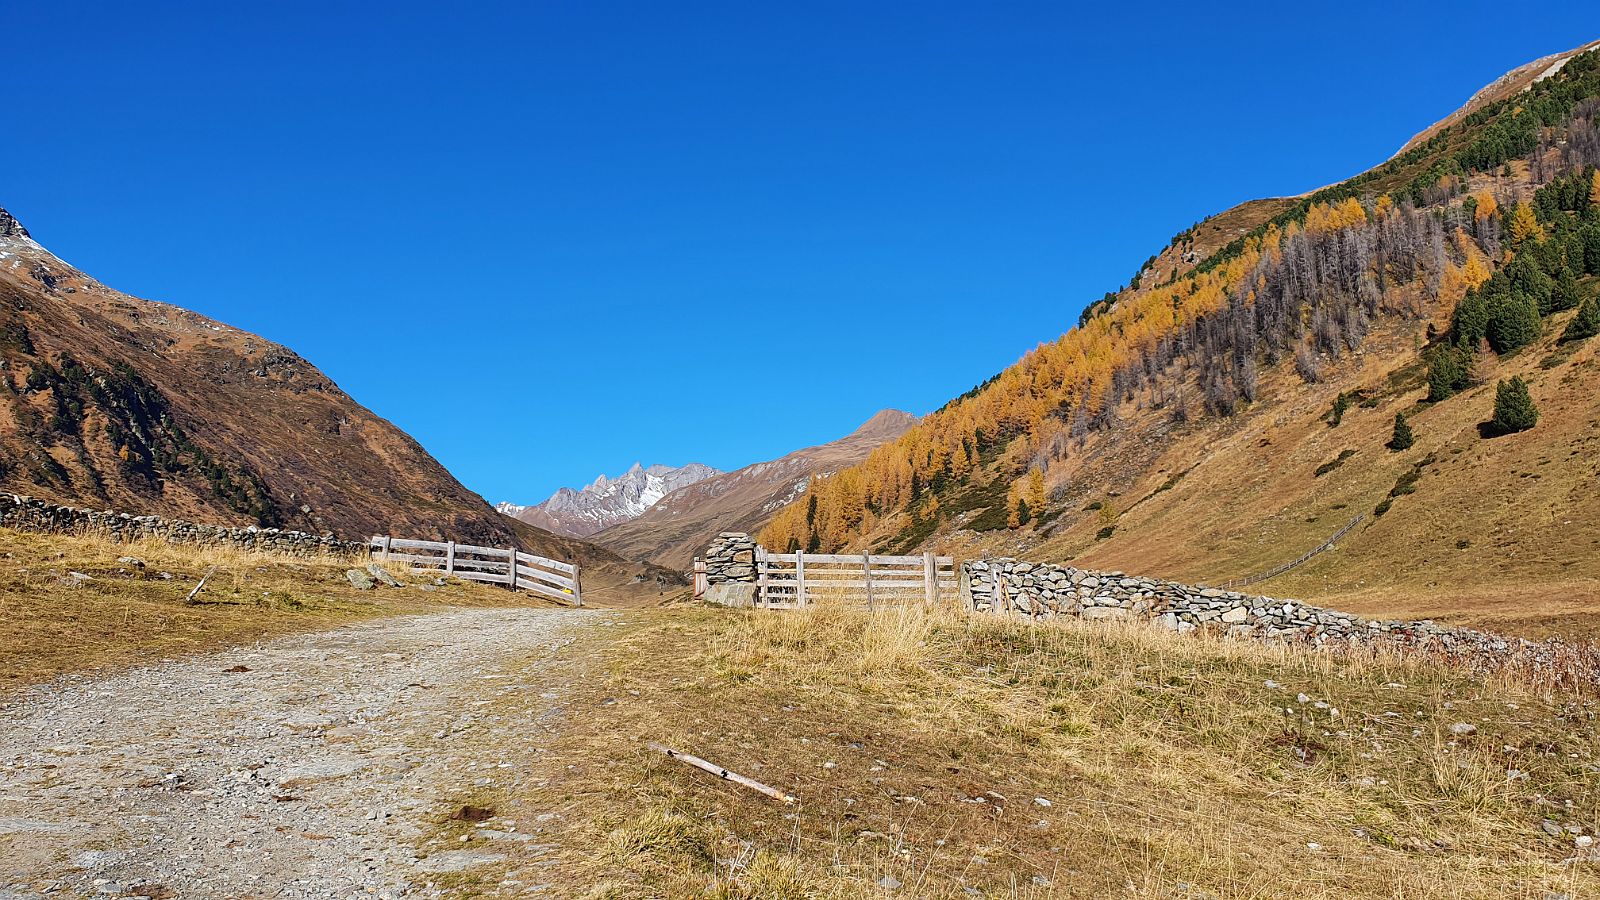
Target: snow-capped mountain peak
x=608, y=501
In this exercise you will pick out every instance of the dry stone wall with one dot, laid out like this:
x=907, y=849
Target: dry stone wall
x=31, y=514
x=1016, y=587
x=731, y=557
x=731, y=570
x=1041, y=590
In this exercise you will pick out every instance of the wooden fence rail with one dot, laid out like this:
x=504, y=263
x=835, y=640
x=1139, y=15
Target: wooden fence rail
x=789, y=580
x=513, y=568
x=1304, y=558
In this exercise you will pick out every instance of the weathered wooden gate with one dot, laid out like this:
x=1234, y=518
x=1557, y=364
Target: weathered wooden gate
x=494, y=565
x=789, y=580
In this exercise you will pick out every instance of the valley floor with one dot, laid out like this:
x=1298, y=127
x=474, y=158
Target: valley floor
x=938, y=756
x=319, y=765
x=342, y=749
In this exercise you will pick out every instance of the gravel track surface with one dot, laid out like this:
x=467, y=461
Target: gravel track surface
x=310, y=766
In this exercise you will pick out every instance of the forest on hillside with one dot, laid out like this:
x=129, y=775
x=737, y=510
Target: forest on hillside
x=1303, y=288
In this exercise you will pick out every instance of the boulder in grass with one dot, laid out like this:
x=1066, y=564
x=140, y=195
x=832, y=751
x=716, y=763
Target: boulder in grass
x=382, y=575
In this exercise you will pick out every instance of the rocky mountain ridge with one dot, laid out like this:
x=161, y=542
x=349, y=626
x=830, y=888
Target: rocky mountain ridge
x=685, y=521
x=605, y=501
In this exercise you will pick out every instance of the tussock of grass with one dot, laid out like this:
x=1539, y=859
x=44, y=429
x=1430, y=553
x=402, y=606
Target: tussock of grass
x=1172, y=765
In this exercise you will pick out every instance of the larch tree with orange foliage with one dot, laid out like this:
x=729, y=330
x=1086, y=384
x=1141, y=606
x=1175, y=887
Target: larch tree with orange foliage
x=1524, y=224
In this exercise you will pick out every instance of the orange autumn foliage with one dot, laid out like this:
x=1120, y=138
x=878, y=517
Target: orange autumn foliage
x=1071, y=373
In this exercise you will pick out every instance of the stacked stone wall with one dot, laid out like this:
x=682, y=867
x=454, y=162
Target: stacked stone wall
x=1043, y=590
x=731, y=557
x=31, y=514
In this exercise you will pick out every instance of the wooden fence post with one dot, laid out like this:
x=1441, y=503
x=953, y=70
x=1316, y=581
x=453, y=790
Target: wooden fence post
x=761, y=578
x=799, y=578
x=511, y=566
x=388, y=540
x=450, y=558
x=577, y=585
x=930, y=578
x=699, y=578
x=866, y=563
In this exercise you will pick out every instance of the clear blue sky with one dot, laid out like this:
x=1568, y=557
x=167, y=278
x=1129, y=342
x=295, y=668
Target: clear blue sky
x=688, y=231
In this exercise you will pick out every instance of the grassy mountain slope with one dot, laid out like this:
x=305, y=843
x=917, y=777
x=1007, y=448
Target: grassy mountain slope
x=111, y=401
x=1179, y=429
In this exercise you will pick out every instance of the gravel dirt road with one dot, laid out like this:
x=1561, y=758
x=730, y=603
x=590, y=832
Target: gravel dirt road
x=311, y=766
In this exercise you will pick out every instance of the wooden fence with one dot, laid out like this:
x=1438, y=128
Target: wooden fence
x=493, y=565
x=1304, y=558
x=789, y=580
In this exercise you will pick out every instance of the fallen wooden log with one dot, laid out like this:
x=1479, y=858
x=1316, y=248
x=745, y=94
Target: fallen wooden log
x=722, y=773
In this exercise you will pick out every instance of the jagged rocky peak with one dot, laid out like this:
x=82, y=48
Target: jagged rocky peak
x=10, y=227
x=608, y=501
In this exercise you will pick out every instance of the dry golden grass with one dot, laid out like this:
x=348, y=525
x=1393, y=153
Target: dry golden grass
x=52, y=622
x=1172, y=765
x=1499, y=532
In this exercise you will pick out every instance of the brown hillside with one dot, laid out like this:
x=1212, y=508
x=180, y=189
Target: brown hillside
x=111, y=401
x=682, y=523
x=1183, y=429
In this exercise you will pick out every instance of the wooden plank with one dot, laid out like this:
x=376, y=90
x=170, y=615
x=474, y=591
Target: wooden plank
x=930, y=579
x=511, y=568
x=488, y=577
x=866, y=561
x=800, y=579
x=495, y=552
x=530, y=559
x=480, y=565
x=699, y=578
x=547, y=577
x=548, y=591
x=450, y=557
x=415, y=558
x=822, y=588
x=761, y=577
x=577, y=586
x=855, y=559
x=399, y=544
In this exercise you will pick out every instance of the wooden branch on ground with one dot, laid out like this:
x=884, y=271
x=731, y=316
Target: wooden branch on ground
x=722, y=773
x=196, y=592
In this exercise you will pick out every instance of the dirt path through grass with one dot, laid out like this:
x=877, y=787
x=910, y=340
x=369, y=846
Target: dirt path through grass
x=309, y=766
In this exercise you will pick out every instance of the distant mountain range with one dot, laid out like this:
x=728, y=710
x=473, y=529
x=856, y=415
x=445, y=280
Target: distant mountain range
x=607, y=501
x=683, y=522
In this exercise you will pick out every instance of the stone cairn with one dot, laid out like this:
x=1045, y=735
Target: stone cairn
x=1042, y=590
x=731, y=557
x=31, y=514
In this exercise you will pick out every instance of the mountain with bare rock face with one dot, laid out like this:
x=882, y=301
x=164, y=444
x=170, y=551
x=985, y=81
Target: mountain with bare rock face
x=683, y=522
x=607, y=501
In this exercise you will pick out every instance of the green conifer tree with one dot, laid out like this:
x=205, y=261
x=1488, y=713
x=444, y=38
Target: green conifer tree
x=1586, y=324
x=1449, y=371
x=1513, y=322
x=1402, y=439
x=1513, y=407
